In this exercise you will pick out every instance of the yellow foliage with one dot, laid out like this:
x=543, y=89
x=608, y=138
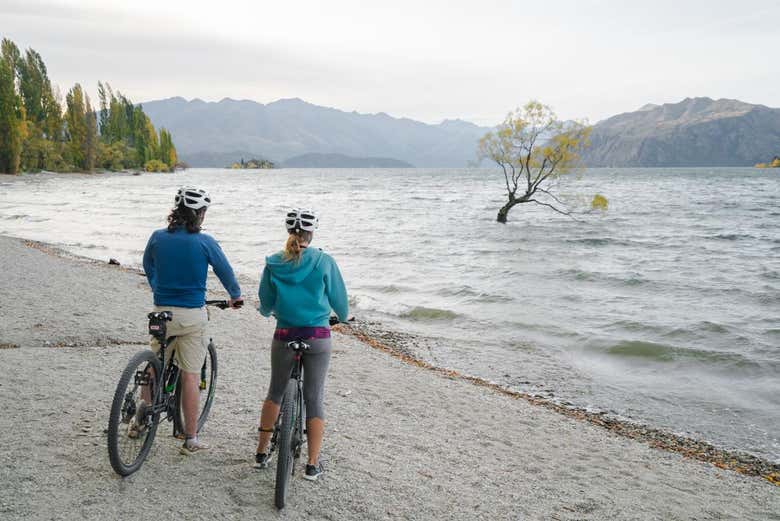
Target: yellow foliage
x=774, y=164
x=155, y=165
x=599, y=202
x=533, y=142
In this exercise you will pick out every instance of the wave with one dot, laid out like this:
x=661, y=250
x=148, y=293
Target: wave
x=594, y=241
x=390, y=288
x=424, y=313
x=470, y=294
x=692, y=331
x=712, y=327
x=25, y=217
x=664, y=353
x=731, y=236
x=630, y=279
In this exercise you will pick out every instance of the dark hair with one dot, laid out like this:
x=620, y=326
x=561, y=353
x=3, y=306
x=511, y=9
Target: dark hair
x=187, y=217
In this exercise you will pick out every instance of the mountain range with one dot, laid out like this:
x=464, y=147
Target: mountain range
x=693, y=132
x=219, y=133
x=342, y=161
x=292, y=132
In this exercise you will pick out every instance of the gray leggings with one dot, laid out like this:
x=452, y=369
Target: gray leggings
x=315, y=369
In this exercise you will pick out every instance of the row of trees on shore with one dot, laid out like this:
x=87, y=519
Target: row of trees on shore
x=38, y=133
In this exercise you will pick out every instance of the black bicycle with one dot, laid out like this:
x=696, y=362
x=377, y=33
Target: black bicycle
x=289, y=429
x=149, y=391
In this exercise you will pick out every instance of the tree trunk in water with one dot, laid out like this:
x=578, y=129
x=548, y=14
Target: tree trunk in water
x=504, y=211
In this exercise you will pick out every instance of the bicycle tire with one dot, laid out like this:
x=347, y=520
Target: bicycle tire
x=284, y=463
x=211, y=382
x=115, y=417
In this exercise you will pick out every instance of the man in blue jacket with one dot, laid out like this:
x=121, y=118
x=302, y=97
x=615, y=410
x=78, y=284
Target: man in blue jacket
x=176, y=262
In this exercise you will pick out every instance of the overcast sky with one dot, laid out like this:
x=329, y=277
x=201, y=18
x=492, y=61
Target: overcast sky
x=424, y=59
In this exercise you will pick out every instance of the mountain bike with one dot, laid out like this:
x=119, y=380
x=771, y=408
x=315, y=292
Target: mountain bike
x=289, y=429
x=149, y=391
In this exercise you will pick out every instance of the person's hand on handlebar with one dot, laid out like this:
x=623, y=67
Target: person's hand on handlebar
x=235, y=303
x=334, y=320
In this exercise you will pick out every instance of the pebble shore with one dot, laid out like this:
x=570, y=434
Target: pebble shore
x=404, y=440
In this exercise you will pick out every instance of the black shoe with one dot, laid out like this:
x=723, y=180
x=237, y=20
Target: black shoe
x=262, y=460
x=313, y=472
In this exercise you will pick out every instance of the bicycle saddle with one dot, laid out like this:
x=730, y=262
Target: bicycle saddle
x=161, y=315
x=157, y=326
x=298, y=345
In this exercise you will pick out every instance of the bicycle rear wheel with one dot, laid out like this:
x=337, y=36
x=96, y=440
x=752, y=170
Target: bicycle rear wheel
x=286, y=447
x=131, y=427
x=208, y=383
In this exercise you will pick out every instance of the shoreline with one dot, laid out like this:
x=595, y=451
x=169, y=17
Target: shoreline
x=403, y=441
x=700, y=450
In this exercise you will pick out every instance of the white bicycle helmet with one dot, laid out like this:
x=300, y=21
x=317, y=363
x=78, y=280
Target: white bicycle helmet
x=299, y=219
x=194, y=198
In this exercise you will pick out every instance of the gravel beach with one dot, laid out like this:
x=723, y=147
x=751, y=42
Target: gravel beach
x=401, y=442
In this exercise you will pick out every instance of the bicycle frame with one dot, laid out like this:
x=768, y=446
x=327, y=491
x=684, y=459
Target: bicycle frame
x=296, y=374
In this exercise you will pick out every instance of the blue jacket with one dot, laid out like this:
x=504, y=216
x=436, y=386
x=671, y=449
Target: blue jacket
x=177, y=263
x=302, y=294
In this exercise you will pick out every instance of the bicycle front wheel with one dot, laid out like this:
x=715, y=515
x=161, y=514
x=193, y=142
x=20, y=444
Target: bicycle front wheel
x=286, y=448
x=207, y=386
x=131, y=423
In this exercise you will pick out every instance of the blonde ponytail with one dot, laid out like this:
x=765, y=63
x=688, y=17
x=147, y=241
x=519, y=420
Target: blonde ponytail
x=292, y=249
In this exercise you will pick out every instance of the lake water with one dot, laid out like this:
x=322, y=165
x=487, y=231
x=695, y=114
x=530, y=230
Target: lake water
x=664, y=309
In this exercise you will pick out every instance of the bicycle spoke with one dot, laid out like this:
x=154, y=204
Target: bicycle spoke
x=132, y=422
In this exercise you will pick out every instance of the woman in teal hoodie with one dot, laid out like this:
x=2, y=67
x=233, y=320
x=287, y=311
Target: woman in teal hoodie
x=300, y=286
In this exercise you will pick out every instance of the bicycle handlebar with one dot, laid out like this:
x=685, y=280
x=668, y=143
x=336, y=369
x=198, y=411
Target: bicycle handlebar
x=223, y=304
x=334, y=320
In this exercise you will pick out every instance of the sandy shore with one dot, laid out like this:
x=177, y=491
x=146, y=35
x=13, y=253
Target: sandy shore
x=403, y=442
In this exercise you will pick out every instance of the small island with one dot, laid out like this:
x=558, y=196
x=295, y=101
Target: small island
x=774, y=163
x=253, y=164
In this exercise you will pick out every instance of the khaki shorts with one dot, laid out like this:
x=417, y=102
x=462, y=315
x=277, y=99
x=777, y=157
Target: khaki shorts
x=189, y=327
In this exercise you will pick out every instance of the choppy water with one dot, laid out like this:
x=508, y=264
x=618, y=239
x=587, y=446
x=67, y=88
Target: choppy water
x=665, y=309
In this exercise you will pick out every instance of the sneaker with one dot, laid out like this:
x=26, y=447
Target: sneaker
x=191, y=447
x=312, y=472
x=262, y=460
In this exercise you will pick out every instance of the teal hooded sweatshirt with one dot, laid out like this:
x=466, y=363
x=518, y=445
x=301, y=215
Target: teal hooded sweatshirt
x=302, y=294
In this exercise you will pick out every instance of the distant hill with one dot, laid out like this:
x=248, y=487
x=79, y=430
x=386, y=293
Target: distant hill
x=216, y=133
x=342, y=161
x=693, y=132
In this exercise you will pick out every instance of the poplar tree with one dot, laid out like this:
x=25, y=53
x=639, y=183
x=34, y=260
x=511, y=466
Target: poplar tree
x=76, y=125
x=167, y=150
x=103, y=100
x=12, y=115
x=90, y=136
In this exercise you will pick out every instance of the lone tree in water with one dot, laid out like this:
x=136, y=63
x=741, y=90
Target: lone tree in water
x=534, y=149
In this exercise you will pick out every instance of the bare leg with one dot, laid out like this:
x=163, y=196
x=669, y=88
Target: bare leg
x=267, y=422
x=190, y=400
x=146, y=390
x=315, y=429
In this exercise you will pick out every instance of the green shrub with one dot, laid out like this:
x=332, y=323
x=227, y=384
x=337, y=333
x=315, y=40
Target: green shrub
x=155, y=165
x=599, y=202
